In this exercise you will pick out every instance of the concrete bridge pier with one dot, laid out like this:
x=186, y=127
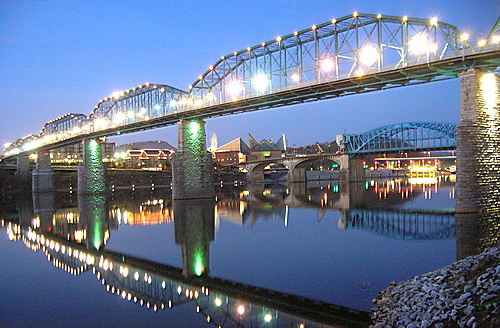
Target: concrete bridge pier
x=478, y=142
x=477, y=200
x=22, y=174
x=43, y=174
x=92, y=172
x=297, y=174
x=192, y=167
x=351, y=169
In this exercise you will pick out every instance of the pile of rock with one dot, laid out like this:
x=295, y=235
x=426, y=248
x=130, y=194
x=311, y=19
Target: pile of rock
x=463, y=294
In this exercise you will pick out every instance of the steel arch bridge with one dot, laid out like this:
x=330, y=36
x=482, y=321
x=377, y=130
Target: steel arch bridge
x=354, y=54
x=401, y=137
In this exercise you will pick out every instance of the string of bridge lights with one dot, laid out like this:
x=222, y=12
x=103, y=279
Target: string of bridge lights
x=100, y=265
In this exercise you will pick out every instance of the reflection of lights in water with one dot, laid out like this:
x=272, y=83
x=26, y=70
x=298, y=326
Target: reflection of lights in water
x=108, y=264
x=421, y=181
x=423, y=169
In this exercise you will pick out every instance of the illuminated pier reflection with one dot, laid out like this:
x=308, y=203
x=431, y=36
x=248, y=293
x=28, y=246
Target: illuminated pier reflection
x=476, y=232
x=194, y=231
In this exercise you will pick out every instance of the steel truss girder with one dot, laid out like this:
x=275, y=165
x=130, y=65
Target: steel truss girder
x=299, y=58
x=403, y=136
x=123, y=109
x=126, y=109
x=143, y=96
x=493, y=31
x=63, y=123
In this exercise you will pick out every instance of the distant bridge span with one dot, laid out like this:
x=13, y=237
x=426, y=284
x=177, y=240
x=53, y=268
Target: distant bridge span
x=296, y=165
x=416, y=136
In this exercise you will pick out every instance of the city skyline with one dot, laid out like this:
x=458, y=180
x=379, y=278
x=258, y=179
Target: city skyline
x=61, y=57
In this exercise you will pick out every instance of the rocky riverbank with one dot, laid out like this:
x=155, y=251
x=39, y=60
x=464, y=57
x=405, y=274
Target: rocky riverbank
x=463, y=294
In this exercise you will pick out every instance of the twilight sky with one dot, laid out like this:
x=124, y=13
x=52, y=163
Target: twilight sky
x=61, y=56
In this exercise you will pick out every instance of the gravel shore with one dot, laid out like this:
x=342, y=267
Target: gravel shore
x=463, y=294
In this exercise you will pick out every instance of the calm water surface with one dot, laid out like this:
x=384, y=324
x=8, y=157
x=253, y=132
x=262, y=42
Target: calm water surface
x=324, y=242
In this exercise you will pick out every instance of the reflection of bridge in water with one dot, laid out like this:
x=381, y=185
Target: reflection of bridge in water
x=275, y=201
x=405, y=225
x=222, y=302
x=157, y=286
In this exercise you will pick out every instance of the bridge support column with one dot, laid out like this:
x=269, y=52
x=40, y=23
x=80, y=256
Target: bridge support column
x=297, y=174
x=351, y=170
x=43, y=174
x=22, y=174
x=478, y=142
x=192, y=167
x=92, y=172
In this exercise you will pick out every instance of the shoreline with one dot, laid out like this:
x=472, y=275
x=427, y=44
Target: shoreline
x=465, y=293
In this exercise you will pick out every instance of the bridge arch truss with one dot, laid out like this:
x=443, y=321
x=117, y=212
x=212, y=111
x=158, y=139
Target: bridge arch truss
x=401, y=137
x=403, y=225
x=351, y=46
x=140, y=103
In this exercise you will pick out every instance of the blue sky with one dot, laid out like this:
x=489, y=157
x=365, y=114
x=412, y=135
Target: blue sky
x=64, y=56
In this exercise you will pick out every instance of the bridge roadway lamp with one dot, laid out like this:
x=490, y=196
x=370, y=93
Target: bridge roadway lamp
x=368, y=55
x=326, y=65
x=234, y=88
x=261, y=82
x=420, y=44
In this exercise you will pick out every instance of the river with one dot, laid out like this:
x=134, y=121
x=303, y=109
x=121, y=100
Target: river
x=278, y=245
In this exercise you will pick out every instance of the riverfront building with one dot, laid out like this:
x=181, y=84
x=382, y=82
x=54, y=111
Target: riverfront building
x=237, y=151
x=148, y=155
